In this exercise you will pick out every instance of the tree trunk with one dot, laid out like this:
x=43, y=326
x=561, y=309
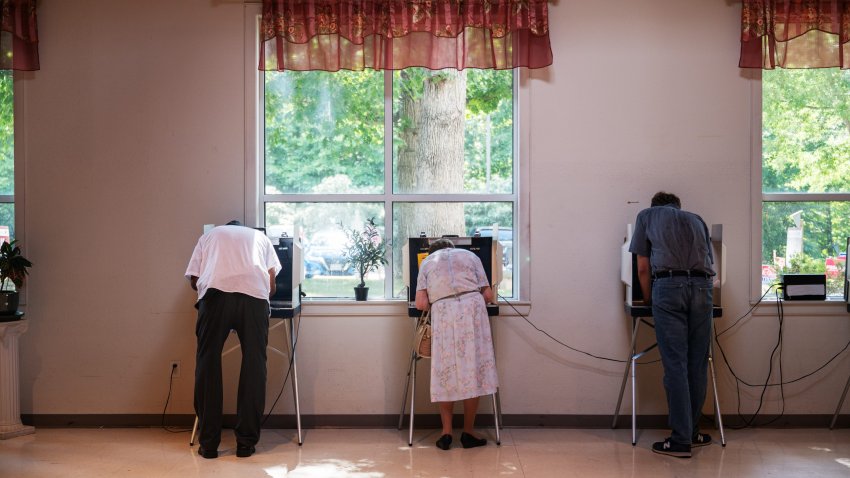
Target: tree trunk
x=432, y=161
x=432, y=156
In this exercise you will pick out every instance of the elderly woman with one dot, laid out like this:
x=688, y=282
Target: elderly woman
x=452, y=283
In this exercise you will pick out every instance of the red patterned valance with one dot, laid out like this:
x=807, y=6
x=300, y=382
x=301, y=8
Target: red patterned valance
x=18, y=35
x=795, y=34
x=330, y=35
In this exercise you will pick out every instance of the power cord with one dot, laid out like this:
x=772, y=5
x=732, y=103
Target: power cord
x=777, y=349
x=297, y=329
x=168, y=399
x=547, y=334
x=750, y=422
x=285, y=378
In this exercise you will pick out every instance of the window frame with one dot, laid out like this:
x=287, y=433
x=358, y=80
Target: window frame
x=256, y=198
x=10, y=198
x=759, y=197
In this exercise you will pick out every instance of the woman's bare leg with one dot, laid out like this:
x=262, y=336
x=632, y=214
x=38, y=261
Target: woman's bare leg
x=470, y=408
x=446, y=416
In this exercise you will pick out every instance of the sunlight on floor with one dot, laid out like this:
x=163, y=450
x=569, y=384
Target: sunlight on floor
x=331, y=467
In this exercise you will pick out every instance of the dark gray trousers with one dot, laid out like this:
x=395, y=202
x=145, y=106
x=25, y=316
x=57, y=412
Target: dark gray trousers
x=219, y=313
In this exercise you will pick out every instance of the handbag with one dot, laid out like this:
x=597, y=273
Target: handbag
x=422, y=338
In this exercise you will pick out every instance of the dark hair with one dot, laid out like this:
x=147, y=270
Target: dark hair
x=441, y=243
x=666, y=199
x=234, y=223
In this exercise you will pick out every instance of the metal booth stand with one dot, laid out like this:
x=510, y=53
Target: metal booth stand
x=285, y=307
x=413, y=252
x=411, y=386
x=291, y=339
x=643, y=314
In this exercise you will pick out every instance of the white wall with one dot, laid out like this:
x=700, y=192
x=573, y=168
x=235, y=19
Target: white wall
x=133, y=132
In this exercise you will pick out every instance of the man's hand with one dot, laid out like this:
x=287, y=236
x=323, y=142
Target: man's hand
x=193, y=281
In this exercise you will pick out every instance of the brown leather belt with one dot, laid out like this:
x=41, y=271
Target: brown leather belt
x=455, y=296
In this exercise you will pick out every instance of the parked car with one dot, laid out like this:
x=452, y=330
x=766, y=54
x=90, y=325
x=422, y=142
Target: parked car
x=323, y=254
x=505, y=238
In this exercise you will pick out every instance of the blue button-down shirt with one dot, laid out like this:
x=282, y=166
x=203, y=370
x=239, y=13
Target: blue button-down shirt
x=673, y=240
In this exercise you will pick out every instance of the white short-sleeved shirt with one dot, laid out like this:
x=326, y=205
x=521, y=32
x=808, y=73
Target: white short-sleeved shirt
x=234, y=259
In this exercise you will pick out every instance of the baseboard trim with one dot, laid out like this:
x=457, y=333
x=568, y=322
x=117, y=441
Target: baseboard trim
x=422, y=421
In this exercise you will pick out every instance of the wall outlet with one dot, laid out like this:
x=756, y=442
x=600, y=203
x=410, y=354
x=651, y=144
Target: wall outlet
x=175, y=368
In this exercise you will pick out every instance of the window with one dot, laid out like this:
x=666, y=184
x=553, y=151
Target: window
x=7, y=154
x=805, y=174
x=417, y=150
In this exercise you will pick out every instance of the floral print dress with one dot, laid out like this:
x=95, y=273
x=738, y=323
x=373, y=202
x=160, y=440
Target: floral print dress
x=462, y=361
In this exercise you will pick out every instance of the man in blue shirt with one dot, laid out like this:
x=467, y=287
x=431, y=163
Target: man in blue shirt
x=674, y=256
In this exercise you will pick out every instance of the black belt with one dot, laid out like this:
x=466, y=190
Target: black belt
x=660, y=274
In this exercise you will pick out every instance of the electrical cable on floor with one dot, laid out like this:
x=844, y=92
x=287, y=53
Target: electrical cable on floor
x=565, y=345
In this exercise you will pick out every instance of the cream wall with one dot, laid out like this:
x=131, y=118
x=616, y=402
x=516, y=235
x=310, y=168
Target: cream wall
x=132, y=136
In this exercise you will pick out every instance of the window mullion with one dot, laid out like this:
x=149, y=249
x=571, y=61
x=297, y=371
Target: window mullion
x=805, y=197
x=388, y=179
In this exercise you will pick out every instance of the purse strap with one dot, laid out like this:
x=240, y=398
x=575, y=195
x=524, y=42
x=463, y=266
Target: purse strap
x=425, y=318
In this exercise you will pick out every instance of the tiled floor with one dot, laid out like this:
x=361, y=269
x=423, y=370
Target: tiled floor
x=377, y=453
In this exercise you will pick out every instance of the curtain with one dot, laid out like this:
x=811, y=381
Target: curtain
x=18, y=35
x=330, y=35
x=795, y=34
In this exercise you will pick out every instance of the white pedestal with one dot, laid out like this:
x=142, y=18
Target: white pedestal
x=10, y=403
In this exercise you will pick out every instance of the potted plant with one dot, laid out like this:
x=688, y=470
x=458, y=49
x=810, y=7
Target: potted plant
x=13, y=271
x=366, y=251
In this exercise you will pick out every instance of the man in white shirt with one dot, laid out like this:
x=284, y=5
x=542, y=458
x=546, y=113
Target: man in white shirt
x=233, y=268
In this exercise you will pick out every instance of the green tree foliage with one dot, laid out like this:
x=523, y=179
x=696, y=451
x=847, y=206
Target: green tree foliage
x=806, y=149
x=321, y=124
x=7, y=148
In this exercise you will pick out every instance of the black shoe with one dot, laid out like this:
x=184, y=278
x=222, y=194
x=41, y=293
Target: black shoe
x=702, y=439
x=207, y=453
x=445, y=442
x=469, y=441
x=667, y=447
x=245, y=451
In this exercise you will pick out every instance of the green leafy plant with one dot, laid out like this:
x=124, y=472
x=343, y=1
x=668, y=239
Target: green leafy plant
x=366, y=249
x=13, y=265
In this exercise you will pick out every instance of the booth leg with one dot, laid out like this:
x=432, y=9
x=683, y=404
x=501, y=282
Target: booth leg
x=634, y=402
x=717, y=414
x=194, y=430
x=412, y=399
x=406, y=388
x=292, y=345
x=626, y=373
x=840, y=403
x=496, y=418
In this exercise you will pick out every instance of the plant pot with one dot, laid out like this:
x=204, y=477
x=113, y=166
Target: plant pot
x=360, y=293
x=8, y=304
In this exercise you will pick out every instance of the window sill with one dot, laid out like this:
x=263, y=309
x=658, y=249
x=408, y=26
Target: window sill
x=386, y=308
x=795, y=308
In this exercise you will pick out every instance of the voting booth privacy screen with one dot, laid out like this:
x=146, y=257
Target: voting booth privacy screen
x=629, y=275
x=288, y=281
x=416, y=250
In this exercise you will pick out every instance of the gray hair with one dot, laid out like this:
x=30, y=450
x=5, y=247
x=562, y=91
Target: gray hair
x=441, y=243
